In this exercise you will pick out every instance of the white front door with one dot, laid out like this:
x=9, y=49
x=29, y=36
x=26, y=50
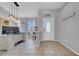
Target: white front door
x=48, y=25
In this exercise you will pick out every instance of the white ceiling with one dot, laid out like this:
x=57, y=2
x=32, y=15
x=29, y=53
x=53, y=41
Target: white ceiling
x=30, y=9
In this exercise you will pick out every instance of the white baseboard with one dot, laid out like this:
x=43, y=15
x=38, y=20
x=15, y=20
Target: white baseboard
x=68, y=47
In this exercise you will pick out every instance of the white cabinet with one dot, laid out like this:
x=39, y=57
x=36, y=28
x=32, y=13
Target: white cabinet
x=7, y=41
x=3, y=43
x=10, y=42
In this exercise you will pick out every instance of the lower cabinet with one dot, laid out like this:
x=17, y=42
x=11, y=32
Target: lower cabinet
x=3, y=43
x=7, y=41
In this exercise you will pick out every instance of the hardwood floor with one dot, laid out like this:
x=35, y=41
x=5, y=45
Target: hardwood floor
x=46, y=48
x=53, y=48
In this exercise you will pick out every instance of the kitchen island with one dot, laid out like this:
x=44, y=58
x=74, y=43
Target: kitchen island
x=7, y=42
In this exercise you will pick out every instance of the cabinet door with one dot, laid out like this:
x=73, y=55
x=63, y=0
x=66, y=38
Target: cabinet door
x=10, y=42
x=3, y=43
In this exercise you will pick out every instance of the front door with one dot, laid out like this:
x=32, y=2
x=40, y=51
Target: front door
x=48, y=25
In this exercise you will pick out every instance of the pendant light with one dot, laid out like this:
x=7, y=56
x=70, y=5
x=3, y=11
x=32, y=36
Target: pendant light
x=13, y=11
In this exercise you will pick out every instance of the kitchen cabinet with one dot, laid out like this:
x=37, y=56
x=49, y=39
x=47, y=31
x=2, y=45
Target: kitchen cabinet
x=7, y=41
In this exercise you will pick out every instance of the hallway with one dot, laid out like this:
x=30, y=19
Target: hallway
x=46, y=48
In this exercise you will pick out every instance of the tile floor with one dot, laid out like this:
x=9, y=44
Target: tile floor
x=46, y=48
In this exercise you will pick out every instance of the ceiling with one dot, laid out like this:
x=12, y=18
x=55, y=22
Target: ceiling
x=30, y=9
